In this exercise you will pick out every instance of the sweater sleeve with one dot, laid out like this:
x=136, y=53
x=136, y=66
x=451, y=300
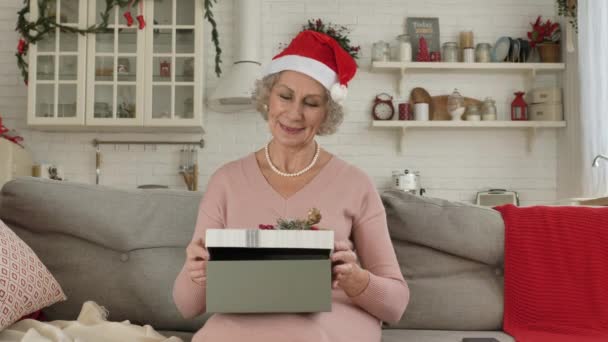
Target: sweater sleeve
x=188, y=296
x=387, y=293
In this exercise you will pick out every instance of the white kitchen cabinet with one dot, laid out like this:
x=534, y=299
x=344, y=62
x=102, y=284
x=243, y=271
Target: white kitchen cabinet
x=127, y=79
x=57, y=74
x=174, y=86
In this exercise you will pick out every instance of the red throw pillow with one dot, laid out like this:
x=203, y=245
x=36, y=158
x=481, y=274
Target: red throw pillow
x=26, y=285
x=36, y=315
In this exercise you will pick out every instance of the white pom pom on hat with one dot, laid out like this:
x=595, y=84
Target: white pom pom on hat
x=338, y=93
x=321, y=57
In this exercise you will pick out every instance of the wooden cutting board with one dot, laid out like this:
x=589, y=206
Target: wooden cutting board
x=440, y=107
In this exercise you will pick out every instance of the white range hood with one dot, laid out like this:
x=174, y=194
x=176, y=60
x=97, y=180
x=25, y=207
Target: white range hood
x=234, y=90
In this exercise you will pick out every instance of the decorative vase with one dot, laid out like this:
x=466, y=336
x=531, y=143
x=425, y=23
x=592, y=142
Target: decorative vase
x=549, y=52
x=534, y=56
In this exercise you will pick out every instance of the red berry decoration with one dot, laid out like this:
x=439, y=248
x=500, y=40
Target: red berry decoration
x=265, y=226
x=21, y=46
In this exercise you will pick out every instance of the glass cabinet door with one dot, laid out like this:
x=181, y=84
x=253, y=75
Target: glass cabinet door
x=115, y=72
x=174, y=48
x=56, y=81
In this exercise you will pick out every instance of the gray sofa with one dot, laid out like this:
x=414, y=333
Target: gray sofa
x=124, y=248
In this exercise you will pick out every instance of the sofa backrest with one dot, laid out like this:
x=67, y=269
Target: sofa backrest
x=120, y=248
x=124, y=248
x=451, y=255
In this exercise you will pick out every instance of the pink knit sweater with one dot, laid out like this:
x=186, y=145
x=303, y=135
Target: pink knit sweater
x=238, y=196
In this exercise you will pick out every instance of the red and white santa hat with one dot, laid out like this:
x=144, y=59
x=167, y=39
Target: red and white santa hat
x=320, y=57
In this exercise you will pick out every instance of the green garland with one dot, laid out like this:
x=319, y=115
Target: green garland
x=569, y=11
x=33, y=31
x=214, y=35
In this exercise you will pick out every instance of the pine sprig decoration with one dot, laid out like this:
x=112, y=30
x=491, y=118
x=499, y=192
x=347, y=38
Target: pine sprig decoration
x=337, y=32
x=313, y=218
x=283, y=224
x=214, y=35
x=568, y=9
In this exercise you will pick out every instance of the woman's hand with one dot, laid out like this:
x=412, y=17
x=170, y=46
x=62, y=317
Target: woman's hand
x=346, y=272
x=196, y=262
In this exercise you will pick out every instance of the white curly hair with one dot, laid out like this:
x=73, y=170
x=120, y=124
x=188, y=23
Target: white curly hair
x=261, y=94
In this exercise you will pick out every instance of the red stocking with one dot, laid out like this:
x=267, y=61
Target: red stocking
x=140, y=17
x=128, y=15
x=142, y=22
x=129, y=18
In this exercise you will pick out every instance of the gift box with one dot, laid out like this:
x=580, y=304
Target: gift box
x=268, y=271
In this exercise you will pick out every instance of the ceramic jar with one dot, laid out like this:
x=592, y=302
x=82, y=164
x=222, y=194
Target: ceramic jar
x=450, y=52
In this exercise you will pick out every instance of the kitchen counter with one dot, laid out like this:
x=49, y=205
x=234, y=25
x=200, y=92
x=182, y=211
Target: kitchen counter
x=599, y=201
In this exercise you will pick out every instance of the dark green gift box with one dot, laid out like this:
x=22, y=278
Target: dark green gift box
x=268, y=271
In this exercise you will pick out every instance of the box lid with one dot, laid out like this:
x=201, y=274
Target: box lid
x=260, y=238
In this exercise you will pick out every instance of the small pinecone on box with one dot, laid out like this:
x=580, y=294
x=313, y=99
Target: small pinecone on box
x=314, y=217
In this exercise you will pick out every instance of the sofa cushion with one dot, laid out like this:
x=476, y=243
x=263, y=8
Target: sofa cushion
x=120, y=248
x=398, y=335
x=451, y=255
x=26, y=285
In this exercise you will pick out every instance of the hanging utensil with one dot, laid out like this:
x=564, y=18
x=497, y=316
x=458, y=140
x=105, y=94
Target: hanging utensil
x=195, y=169
x=181, y=160
x=97, y=164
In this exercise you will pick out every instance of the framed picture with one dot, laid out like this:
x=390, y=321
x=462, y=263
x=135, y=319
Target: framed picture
x=426, y=27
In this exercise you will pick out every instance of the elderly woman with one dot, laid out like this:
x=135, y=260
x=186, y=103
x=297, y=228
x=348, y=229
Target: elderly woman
x=292, y=173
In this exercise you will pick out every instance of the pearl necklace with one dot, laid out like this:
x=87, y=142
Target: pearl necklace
x=295, y=174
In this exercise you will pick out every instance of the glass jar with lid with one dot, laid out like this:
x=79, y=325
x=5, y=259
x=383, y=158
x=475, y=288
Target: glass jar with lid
x=482, y=53
x=450, y=52
x=404, y=48
x=472, y=113
x=456, y=105
x=488, y=109
x=380, y=51
x=488, y=106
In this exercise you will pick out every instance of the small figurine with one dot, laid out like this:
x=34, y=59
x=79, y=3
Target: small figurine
x=423, y=51
x=165, y=69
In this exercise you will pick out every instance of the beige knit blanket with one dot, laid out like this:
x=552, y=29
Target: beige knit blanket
x=91, y=326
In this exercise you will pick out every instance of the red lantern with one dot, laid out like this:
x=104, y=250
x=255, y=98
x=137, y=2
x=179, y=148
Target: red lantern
x=519, y=107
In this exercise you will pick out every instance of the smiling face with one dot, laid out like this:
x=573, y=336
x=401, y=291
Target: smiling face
x=297, y=106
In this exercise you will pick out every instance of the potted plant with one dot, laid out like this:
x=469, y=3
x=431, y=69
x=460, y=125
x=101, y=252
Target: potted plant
x=545, y=36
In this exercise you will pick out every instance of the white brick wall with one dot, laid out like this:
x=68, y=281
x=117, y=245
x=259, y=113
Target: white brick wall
x=454, y=164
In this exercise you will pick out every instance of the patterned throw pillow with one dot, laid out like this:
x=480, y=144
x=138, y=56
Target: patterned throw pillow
x=26, y=285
